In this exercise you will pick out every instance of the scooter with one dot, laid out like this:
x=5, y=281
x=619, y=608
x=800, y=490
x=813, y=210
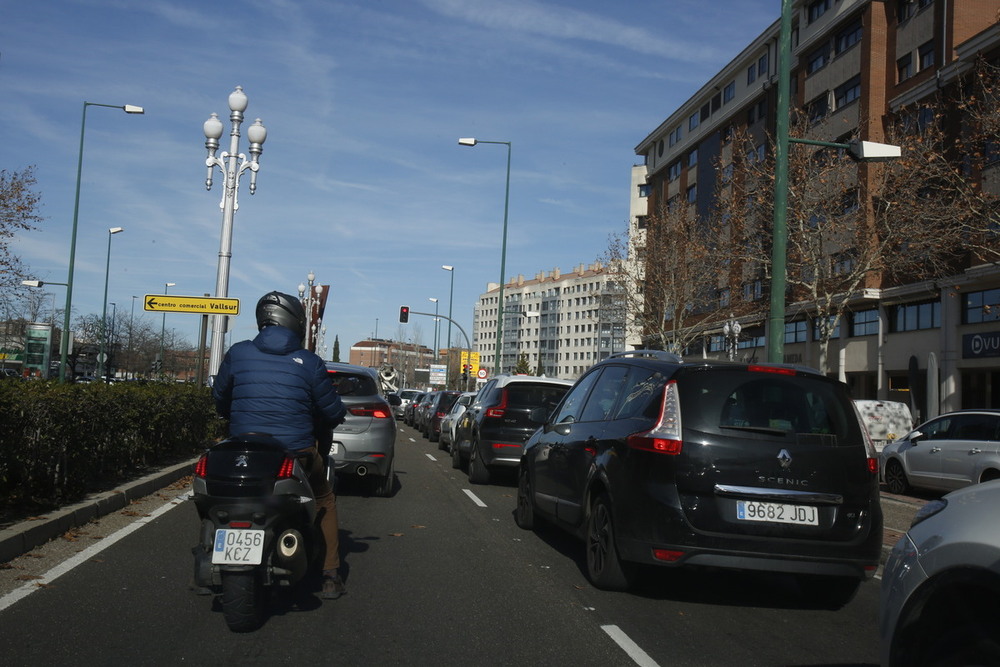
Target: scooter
x=258, y=527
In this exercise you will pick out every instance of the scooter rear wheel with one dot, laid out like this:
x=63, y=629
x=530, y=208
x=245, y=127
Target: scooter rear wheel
x=244, y=600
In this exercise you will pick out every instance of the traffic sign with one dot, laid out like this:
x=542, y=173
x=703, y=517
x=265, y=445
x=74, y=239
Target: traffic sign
x=206, y=305
x=481, y=374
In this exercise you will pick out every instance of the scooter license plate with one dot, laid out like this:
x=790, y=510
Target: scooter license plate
x=238, y=547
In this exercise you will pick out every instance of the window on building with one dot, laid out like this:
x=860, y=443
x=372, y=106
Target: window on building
x=904, y=10
x=847, y=92
x=850, y=202
x=727, y=134
x=848, y=37
x=640, y=221
x=751, y=74
x=753, y=291
x=818, y=59
x=817, y=8
x=864, y=322
x=915, y=316
x=762, y=65
x=904, y=68
x=926, y=55
x=692, y=193
x=729, y=92
x=751, y=337
x=716, y=343
x=834, y=333
x=693, y=157
x=727, y=173
x=675, y=136
x=796, y=332
x=644, y=189
x=983, y=306
x=724, y=298
x=716, y=102
x=693, y=121
x=843, y=263
x=674, y=170
x=818, y=108
x=705, y=111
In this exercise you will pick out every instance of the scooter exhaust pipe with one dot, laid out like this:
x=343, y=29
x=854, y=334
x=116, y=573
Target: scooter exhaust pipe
x=362, y=471
x=292, y=553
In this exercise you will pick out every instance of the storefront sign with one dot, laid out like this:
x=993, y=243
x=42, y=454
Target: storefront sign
x=978, y=345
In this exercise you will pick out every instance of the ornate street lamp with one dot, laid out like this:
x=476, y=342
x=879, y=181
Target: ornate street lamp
x=232, y=163
x=64, y=339
x=471, y=141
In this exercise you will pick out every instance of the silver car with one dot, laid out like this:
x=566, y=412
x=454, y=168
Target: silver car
x=940, y=601
x=364, y=445
x=946, y=453
x=450, y=420
x=406, y=397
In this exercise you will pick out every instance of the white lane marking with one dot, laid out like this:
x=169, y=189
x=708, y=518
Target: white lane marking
x=87, y=554
x=413, y=440
x=430, y=457
x=476, y=500
x=630, y=647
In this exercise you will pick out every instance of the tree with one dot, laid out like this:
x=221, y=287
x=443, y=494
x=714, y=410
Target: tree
x=19, y=205
x=669, y=275
x=336, y=348
x=522, y=367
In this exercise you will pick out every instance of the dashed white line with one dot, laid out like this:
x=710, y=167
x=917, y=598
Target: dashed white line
x=630, y=647
x=430, y=457
x=475, y=499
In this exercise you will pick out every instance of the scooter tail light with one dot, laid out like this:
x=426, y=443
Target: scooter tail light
x=287, y=466
x=665, y=437
x=201, y=467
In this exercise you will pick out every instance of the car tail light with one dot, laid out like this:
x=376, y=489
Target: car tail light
x=240, y=524
x=201, y=467
x=287, y=466
x=873, y=465
x=665, y=437
x=499, y=409
x=503, y=445
x=771, y=369
x=376, y=411
x=440, y=415
x=667, y=555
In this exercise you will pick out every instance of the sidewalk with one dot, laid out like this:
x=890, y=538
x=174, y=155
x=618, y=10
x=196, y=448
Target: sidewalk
x=26, y=535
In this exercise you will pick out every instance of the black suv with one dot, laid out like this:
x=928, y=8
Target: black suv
x=505, y=412
x=655, y=460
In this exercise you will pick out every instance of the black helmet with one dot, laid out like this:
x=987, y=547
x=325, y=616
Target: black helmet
x=276, y=308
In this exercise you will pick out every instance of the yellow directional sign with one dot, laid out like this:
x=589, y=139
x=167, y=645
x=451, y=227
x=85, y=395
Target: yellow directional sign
x=206, y=305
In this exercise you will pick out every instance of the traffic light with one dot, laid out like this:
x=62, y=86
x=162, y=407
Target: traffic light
x=404, y=313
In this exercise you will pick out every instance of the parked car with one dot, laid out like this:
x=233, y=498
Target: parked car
x=406, y=397
x=654, y=460
x=940, y=601
x=948, y=452
x=411, y=409
x=884, y=420
x=440, y=404
x=364, y=445
x=505, y=412
x=420, y=411
x=450, y=420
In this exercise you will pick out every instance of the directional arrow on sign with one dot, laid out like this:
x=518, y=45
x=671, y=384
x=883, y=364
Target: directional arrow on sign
x=205, y=305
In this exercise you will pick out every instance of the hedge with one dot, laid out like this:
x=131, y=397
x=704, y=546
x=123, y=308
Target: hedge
x=59, y=442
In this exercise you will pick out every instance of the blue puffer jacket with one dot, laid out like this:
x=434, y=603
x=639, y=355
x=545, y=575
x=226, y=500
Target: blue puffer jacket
x=272, y=385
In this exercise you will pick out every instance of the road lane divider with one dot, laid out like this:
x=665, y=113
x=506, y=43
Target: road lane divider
x=624, y=642
x=474, y=497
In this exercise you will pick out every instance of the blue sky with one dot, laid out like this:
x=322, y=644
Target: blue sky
x=362, y=180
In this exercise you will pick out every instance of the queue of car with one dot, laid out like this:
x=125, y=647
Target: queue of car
x=653, y=460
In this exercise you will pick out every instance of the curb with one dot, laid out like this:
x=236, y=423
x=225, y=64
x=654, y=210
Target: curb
x=25, y=536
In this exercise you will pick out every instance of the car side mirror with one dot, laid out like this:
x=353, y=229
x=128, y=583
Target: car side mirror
x=916, y=437
x=394, y=400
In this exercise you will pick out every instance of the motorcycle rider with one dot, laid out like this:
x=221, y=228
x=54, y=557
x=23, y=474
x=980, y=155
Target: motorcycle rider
x=273, y=385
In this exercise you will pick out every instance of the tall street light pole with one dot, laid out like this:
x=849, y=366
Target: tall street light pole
x=436, y=322
x=451, y=298
x=104, y=313
x=110, y=337
x=163, y=326
x=471, y=141
x=232, y=164
x=64, y=340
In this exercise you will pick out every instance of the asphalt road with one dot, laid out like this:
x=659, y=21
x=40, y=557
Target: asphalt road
x=437, y=574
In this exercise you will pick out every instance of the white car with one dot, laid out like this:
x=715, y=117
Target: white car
x=940, y=598
x=451, y=419
x=946, y=453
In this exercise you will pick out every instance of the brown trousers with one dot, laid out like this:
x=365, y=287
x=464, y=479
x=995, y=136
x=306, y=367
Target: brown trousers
x=326, y=507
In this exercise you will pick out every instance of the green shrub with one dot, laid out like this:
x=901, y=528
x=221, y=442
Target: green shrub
x=59, y=442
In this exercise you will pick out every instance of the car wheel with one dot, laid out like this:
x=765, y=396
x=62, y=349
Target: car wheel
x=478, y=472
x=828, y=592
x=383, y=486
x=524, y=514
x=456, y=457
x=604, y=569
x=895, y=478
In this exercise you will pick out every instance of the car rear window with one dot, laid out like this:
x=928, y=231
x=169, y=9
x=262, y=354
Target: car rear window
x=446, y=401
x=366, y=383
x=733, y=400
x=529, y=395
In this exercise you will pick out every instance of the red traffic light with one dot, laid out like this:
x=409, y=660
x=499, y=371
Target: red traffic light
x=404, y=313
